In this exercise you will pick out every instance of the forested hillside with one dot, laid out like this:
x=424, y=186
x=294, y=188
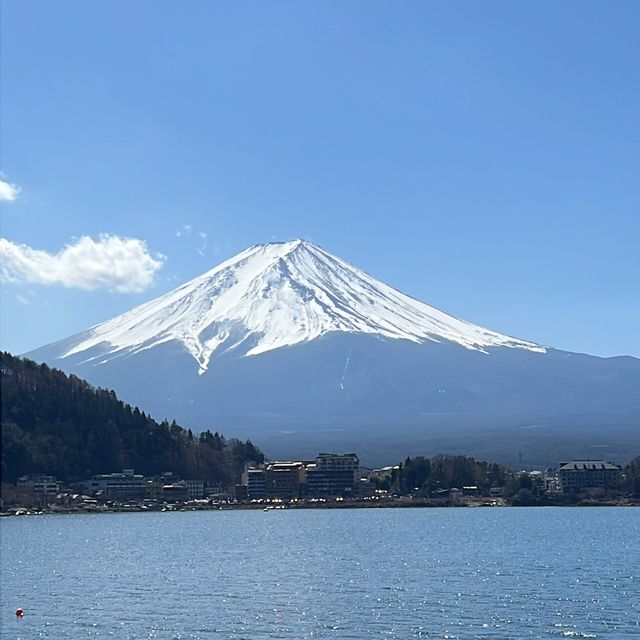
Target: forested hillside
x=61, y=425
x=631, y=477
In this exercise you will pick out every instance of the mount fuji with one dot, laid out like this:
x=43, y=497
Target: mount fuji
x=302, y=351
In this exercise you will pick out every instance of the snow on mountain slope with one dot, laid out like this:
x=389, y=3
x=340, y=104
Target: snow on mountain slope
x=276, y=295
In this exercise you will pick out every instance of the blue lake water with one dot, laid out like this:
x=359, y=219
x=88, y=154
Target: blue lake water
x=368, y=573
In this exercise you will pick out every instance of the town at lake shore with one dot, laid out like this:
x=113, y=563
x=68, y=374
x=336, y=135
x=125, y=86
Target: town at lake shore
x=69, y=448
x=334, y=481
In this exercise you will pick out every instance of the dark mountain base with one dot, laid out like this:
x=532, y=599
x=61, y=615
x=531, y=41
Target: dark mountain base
x=386, y=399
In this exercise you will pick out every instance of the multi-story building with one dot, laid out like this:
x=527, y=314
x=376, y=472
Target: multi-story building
x=39, y=483
x=284, y=480
x=118, y=486
x=175, y=492
x=256, y=482
x=332, y=475
x=195, y=489
x=213, y=488
x=578, y=475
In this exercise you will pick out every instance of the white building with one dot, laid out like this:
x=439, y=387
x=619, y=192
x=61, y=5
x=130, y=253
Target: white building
x=123, y=486
x=39, y=483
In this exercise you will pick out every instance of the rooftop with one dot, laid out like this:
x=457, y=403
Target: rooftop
x=588, y=465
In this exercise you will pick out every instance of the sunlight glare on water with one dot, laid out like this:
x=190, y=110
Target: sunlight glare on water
x=375, y=573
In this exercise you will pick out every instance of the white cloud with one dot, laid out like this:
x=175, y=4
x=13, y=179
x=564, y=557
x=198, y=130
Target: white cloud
x=185, y=231
x=112, y=262
x=203, y=245
x=8, y=192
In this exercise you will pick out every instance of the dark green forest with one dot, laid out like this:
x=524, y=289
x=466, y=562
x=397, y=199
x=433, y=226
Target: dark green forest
x=59, y=424
x=424, y=476
x=631, y=477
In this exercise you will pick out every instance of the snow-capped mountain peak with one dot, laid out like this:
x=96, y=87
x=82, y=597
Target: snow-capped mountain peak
x=276, y=295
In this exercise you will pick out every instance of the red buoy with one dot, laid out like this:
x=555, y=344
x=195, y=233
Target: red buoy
x=19, y=613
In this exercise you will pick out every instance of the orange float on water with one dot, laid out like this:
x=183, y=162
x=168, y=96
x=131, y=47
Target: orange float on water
x=19, y=613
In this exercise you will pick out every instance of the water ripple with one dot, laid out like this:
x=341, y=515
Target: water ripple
x=383, y=574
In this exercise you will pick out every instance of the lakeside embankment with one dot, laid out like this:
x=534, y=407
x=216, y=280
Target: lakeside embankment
x=400, y=502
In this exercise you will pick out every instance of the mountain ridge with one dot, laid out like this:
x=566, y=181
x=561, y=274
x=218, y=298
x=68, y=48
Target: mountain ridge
x=248, y=348
x=276, y=295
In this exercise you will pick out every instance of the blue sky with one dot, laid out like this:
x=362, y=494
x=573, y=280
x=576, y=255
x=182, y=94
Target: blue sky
x=482, y=157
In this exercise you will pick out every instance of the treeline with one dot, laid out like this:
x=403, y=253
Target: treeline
x=59, y=424
x=631, y=477
x=424, y=476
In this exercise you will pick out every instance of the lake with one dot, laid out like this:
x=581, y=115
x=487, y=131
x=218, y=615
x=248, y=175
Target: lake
x=360, y=574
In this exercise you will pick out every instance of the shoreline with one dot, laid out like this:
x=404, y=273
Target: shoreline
x=19, y=511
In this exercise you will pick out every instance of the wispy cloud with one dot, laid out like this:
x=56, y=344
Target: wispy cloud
x=188, y=231
x=203, y=242
x=8, y=191
x=23, y=299
x=185, y=231
x=112, y=262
